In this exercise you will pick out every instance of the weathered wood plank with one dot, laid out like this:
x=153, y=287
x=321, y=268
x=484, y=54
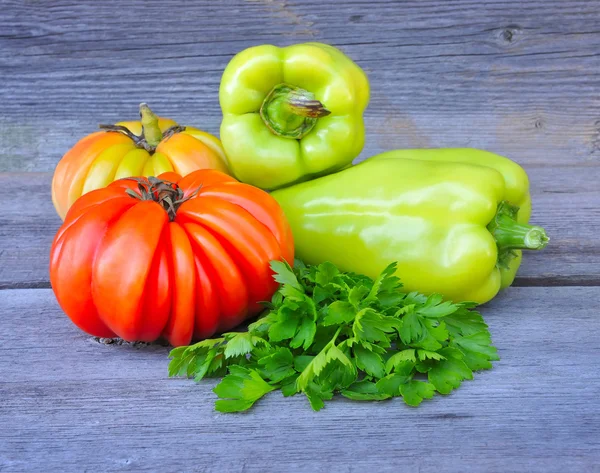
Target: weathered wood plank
x=70, y=403
x=566, y=202
x=28, y=223
x=518, y=78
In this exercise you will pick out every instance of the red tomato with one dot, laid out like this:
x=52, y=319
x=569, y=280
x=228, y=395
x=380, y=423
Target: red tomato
x=179, y=258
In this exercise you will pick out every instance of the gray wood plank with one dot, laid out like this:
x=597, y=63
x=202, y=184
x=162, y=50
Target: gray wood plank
x=70, y=403
x=28, y=223
x=566, y=202
x=518, y=78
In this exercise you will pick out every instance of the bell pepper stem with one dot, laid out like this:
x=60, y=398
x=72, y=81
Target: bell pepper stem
x=303, y=103
x=291, y=112
x=150, y=129
x=512, y=235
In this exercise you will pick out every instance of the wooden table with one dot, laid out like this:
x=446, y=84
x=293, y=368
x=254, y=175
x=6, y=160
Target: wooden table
x=518, y=78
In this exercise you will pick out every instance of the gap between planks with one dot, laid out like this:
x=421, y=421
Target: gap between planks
x=552, y=281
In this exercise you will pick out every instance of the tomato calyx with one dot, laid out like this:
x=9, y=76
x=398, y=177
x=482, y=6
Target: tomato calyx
x=139, y=140
x=151, y=134
x=165, y=193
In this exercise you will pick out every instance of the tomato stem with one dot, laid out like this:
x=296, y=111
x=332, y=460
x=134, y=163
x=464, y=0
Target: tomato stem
x=151, y=134
x=150, y=129
x=165, y=193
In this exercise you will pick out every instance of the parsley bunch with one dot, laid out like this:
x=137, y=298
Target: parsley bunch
x=330, y=332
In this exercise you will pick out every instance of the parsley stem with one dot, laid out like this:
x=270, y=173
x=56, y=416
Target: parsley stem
x=337, y=332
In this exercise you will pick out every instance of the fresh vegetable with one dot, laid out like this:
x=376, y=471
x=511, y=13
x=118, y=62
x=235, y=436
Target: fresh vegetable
x=454, y=219
x=290, y=114
x=332, y=332
x=145, y=148
x=179, y=258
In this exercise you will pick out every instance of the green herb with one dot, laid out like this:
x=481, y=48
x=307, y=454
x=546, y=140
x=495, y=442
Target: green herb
x=328, y=332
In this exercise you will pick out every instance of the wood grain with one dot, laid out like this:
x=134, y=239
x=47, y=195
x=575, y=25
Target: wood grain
x=70, y=403
x=566, y=202
x=518, y=78
x=28, y=223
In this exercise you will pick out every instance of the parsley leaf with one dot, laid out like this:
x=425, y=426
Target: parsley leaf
x=326, y=273
x=435, y=308
x=197, y=360
x=465, y=322
x=326, y=331
x=478, y=353
x=372, y=326
x=364, y=391
x=385, y=282
x=241, y=343
x=449, y=373
x=399, y=360
x=278, y=365
x=284, y=275
x=339, y=312
x=305, y=334
x=415, y=391
x=391, y=383
x=317, y=395
x=329, y=354
x=369, y=361
x=240, y=389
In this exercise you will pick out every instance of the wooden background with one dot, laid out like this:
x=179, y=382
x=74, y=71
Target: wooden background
x=521, y=79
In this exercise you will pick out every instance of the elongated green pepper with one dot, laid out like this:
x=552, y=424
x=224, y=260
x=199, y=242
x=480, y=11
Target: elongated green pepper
x=291, y=114
x=454, y=219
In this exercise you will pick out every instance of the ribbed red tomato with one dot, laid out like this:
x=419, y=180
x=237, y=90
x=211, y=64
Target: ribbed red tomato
x=179, y=258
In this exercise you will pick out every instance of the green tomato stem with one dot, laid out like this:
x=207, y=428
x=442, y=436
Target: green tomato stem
x=150, y=129
x=291, y=112
x=151, y=135
x=512, y=235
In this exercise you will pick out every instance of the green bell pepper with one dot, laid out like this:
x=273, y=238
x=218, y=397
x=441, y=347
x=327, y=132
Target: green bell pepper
x=291, y=114
x=454, y=219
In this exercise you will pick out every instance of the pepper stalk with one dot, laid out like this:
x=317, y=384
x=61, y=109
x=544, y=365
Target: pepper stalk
x=511, y=235
x=291, y=112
